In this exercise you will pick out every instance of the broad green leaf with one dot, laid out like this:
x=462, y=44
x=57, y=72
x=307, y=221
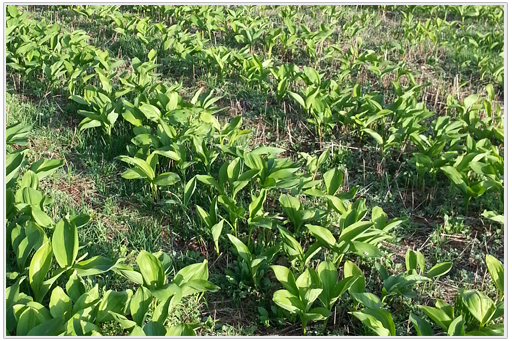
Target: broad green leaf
x=205, y=216
x=456, y=178
x=494, y=216
x=161, y=312
x=133, y=173
x=372, y=323
x=13, y=163
x=290, y=245
x=367, y=299
x=52, y=327
x=456, y=327
x=29, y=196
x=376, y=136
x=448, y=309
x=438, y=316
x=336, y=203
x=297, y=98
x=421, y=261
x=195, y=286
x=113, y=301
x=493, y=330
x=333, y=179
x=422, y=327
x=234, y=124
x=123, y=321
x=322, y=234
x=78, y=99
x=290, y=205
x=353, y=231
x=384, y=317
x=75, y=286
x=88, y=299
x=281, y=174
x=28, y=319
x=241, y=248
x=497, y=273
x=382, y=271
x=65, y=243
x=94, y=266
x=46, y=168
x=151, y=270
x=257, y=204
x=286, y=278
x=253, y=161
x=439, y=270
x=216, y=232
x=190, y=272
x=490, y=91
x=139, y=304
x=30, y=179
x=329, y=278
x=141, y=165
x=166, y=179
x=39, y=267
x=288, y=301
x=33, y=237
x=317, y=314
x=80, y=220
x=248, y=175
x=379, y=218
x=209, y=180
x=167, y=291
x=265, y=150
x=154, y=328
x=364, y=249
x=129, y=273
x=88, y=123
x=40, y=217
x=133, y=116
x=411, y=262
x=350, y=269
x=190, y=187
x=150, y=111
x=182, y=329
x=470, y=101
x=81, y=327
x=479, y=305
x=137, y=331
x=60, y=303
x=12, y=296
x=343, y=286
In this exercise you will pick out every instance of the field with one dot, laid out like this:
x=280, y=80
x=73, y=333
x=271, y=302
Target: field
x=255, y=170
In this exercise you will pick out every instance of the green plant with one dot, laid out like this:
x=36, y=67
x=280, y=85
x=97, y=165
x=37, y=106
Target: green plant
x=273, y=172
x=357, y=290
x=469, y=189
x=475, y=311
x=332, y=289
x=399, y=284
x=296, y=214
x=145, y=169
x=157, y=291
x=359, y=237
x=299, y=294
x=252, y=264
x=379, y=321
x=497, y=272
x=293, y=249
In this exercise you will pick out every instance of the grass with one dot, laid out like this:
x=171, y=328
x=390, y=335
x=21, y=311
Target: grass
x=125, y=219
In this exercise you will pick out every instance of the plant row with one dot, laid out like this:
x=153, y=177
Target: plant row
x=182, y=142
